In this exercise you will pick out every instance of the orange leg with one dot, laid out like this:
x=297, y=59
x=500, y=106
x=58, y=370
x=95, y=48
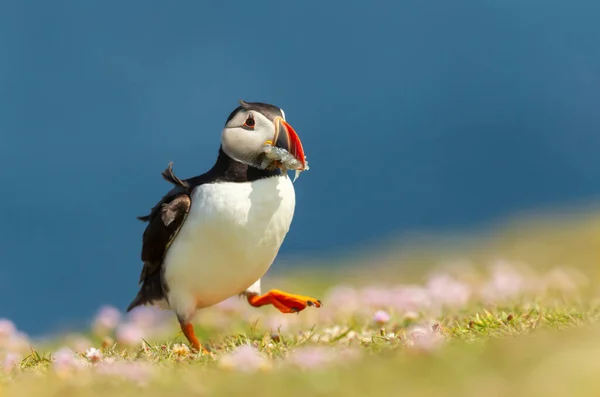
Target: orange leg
x=188, y=331
x=286, y=303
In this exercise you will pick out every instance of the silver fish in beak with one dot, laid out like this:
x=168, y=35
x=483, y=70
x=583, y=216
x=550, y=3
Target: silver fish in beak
x=285, y=150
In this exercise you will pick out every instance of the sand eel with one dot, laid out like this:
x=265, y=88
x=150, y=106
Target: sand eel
x=215, y=235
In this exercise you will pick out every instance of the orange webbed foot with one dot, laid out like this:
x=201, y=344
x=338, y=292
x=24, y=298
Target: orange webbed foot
x=188, y=331
x=284, y=302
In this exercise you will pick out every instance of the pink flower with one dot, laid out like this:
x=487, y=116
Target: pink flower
x=376, y=297
x=381, y=317
x=343, y=299
x=7, y=329
x=94, y=355
x=106, y=320
x=64, y=360
x=424, y=337
x=78, y=343
x=146, y=317
x=505, y=283
x=150, y=322
x=18, y=342
x=312, y=357
x=275, y=322
x=244, y=358
x=129, y=334
x=445, y=291
x=11, y=360
x=410, y=298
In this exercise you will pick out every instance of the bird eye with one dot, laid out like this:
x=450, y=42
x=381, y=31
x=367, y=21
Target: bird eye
x=249, y=123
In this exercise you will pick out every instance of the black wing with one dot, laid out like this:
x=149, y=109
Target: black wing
x=164, y=222
x=161, y=231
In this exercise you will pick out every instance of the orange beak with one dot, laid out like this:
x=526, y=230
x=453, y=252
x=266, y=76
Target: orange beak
x=286, y=138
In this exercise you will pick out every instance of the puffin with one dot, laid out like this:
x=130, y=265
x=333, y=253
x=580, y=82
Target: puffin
x=215, y=235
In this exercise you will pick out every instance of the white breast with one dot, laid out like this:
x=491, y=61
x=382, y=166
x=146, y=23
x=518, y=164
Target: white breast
x=228, y=241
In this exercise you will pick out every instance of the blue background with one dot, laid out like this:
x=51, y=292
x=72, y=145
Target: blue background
x=414, y=115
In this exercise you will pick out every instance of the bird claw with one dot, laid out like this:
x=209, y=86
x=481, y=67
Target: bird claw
x=284, y=302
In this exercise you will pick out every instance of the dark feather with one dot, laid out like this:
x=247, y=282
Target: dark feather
x=150, y=291
x=161, y=231
x=180, y=186
x=170, y=176
x=157, y=238
x=266, y=109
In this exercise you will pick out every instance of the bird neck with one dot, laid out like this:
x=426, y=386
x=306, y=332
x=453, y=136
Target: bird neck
x=235, y=171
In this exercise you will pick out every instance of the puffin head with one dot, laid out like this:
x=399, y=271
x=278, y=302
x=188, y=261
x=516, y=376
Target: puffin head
x=251, y=126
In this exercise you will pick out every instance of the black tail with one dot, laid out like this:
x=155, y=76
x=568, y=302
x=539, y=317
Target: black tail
x=144, y=218
x=150, y=291
x=137, y=301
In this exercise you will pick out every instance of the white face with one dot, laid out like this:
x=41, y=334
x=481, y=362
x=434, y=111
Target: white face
x=245, y=135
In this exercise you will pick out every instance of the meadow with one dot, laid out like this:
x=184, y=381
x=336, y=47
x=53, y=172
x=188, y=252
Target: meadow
x=511, y=311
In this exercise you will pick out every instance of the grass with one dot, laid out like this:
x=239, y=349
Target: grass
x=431, y=327
x=536, y=352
